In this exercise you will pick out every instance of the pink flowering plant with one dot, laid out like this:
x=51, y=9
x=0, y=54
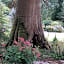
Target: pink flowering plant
x=21, y=52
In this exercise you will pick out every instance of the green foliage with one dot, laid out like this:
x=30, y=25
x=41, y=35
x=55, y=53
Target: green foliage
x=6, y=1
x=54, y=11
x=46, y=11
x=46, y=22
x=55, y=39
x=20, y=53
x=58, y=13
x=56, y=51
x=53, y=26
x=49, y=29
x=4, y=11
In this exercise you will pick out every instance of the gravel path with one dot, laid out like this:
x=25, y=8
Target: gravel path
x=49, y=62
x=50, y=36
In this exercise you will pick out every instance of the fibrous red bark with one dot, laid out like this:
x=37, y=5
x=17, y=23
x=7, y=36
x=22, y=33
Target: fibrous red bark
x=28, y=22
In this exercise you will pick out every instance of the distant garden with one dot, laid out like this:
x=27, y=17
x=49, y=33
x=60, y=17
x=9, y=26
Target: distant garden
x=22, y=39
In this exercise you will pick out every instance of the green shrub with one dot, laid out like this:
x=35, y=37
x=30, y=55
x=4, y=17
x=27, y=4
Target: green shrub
x=20, y=53
x=4, y=22
x=57, y=49
x=6, y=1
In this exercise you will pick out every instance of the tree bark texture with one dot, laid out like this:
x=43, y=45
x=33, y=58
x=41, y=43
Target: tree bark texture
x=28, y=23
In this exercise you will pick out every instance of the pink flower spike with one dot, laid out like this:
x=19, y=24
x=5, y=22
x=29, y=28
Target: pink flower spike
x=34, y=48
x=3, y=45
x=38, y=52
x=24, y=42
x=0, y=54
x=20, y=49
x=38, y=55
x=2, y=49
x=29, y=45
x=21, y=39
x=33, y=52
x=25, y=46
x=27, y=42
x=18, y=44
x=0, y=60
x=15, y=42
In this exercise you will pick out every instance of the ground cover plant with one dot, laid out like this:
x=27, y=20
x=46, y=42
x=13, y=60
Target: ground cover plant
x=56, y=52
x=20, y=52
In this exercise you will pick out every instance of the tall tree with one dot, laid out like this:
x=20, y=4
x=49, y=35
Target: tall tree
x=28, y=23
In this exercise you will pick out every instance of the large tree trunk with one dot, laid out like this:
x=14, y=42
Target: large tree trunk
x=28, y=23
